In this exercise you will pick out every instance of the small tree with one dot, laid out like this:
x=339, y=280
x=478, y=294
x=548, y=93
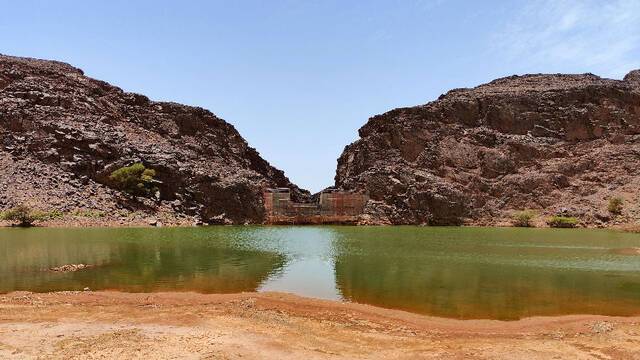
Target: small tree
x=21, y=214
x=135, y=179
x=562, y=222
x=522, y=218
x=615, y=205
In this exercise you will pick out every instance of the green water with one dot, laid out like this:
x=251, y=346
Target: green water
x=498, y=273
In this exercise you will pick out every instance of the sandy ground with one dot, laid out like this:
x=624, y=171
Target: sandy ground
x=113, y=325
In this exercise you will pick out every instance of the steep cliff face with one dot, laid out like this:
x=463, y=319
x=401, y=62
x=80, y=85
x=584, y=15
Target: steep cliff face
x=556, y=143
x=63, y=133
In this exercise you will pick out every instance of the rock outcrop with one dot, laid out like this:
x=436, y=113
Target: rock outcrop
x=63, y=133
x=555, y=143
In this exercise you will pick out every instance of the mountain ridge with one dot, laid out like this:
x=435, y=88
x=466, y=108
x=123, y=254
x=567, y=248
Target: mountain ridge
x=556, y=143
x=64, y=133
x=475, y=155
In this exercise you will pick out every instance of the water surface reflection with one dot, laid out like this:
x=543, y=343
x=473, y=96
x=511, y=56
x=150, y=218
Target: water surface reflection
x=452, y=272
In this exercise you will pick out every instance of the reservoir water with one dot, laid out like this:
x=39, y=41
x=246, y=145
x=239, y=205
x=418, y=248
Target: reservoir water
x=456, y=272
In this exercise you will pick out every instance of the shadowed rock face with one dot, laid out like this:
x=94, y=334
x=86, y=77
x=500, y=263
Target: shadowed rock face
x=63, y=133
x=557, y=143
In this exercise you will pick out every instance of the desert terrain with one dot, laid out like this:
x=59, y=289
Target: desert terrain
x=96, y=325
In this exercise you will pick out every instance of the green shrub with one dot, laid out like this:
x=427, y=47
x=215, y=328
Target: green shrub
x=522, y=218
x=20, y=214
x=615, y=205
x=25, y=216
x=93, y=214
x=135, y=179
x=562, y=222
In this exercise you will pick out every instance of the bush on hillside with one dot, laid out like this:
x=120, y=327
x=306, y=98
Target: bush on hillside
x=615, y=205
x=93, y=214
x=523, y=218
x=135, y=179
x=562, y=222
x=24, y=216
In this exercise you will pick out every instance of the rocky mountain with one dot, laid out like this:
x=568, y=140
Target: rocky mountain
x=64, y=133
x=555, y=143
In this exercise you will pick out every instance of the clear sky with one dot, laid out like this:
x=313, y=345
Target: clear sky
x=298, y=78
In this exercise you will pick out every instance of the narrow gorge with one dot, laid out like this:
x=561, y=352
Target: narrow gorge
x=557, y=144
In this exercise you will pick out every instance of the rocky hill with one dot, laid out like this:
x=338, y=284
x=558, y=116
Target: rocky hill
x=64, y=133
x=560, y=144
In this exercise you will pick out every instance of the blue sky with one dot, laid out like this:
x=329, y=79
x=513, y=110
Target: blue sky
x=298, y=78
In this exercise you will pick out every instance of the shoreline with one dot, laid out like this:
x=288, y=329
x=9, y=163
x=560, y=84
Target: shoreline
x=108, y=224
x=282, y=325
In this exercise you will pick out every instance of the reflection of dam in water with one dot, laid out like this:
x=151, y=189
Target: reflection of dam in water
x=333, y=207
x=310, y=264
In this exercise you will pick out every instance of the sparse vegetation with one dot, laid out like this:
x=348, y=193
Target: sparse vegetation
x=135, y=179
x=20, y=214
x=49, y=215
x=93, y=214
x=615, y=205
x=562, y=222
x=523, y=218
x=24, y=216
